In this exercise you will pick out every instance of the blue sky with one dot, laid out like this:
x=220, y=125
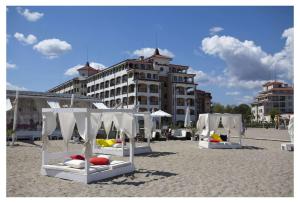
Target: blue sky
x=232, y=50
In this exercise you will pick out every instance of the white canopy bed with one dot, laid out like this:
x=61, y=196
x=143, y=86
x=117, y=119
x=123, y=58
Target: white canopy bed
x=122, y=149
x=88, y=122
x=231, y=123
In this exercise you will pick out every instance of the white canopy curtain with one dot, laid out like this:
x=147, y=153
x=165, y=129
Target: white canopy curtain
x=67, y=124
x=53, y=104
x=228, y=123
x=201, y=121
x=187, y=119
x=214, y=120
x=88, y=133
x=148, y=124
x=100, y=106
x=291, y=128
x=49, y=125
x=8, y=105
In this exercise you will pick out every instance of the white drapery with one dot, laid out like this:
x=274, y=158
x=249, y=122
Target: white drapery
x=67, y=124
x=201, y=121
x=88, y=133
x=148, y=125
x=291, y=128
x=8, y=105
x=214, y=120
x=227, y=122
x=49, y=125
x=237, y=119
x=53, y=104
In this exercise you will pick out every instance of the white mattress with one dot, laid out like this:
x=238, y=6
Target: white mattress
x=93, y=168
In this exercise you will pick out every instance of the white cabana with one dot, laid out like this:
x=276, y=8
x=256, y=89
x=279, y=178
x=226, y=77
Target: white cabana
x=231, y=122
x=100, y=106
x=88, y=122
x=289, y=146
x=8, y=105
x=123, y=150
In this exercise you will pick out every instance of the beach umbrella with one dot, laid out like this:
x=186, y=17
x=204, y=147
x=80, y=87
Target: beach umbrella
x=159, y=114
x=187, y=119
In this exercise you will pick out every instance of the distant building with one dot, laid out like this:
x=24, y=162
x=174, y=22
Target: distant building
x=275, y=95
x=76, y=85
x=153, y=83
x=203, y=102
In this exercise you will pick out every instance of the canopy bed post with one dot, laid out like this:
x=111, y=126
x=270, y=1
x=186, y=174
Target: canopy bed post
x=44, y=136
x=87, y=143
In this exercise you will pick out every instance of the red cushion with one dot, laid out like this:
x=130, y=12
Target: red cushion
x=212, y=140
x=118, y=141
x=99, y=161
x=77, y=156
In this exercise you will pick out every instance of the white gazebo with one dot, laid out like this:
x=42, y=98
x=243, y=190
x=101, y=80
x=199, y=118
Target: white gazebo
x=232, y=124
x=88, y=122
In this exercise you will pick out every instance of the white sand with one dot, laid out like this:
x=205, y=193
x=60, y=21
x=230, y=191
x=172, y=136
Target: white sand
x=175, y=168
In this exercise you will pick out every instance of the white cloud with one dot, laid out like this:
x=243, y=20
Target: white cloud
x=52, y=48
x=30, y=16
x=246, y=99
x=10, y=86
x=215, y=30
x=248, y=65
x=147, y=52
x=235, y=93
x=200, y=76
x=11, y=65
x=73, y=70
x=30, y=39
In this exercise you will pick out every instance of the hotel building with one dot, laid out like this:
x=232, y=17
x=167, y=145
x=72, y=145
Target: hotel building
x=153, y=83
x=275, y=95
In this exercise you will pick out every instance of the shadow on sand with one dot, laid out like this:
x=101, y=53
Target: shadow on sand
x=253, y=147
x=156, y=154
x=131, y=179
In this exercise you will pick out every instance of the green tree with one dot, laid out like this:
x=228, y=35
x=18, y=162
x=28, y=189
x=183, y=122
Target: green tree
x=217, y=108
x=245, y=110
x=273, y=112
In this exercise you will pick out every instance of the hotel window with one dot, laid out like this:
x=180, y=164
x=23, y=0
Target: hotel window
x=161, y=69
x=142, y=66
x=155, y=76
x=175, y=78
x=149, y=75
x=180, y=111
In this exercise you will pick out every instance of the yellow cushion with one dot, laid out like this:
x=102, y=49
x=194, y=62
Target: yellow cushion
x=105, y=143
x=216, y=137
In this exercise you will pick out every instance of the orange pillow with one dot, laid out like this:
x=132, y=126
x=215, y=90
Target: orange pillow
x=99, y=161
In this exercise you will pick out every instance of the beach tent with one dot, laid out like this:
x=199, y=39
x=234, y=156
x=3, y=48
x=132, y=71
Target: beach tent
x=231, y=122
x=8, y=105
x=88, y=122
x=72, y=101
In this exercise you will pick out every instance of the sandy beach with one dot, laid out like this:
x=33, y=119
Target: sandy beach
x=175, y=168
